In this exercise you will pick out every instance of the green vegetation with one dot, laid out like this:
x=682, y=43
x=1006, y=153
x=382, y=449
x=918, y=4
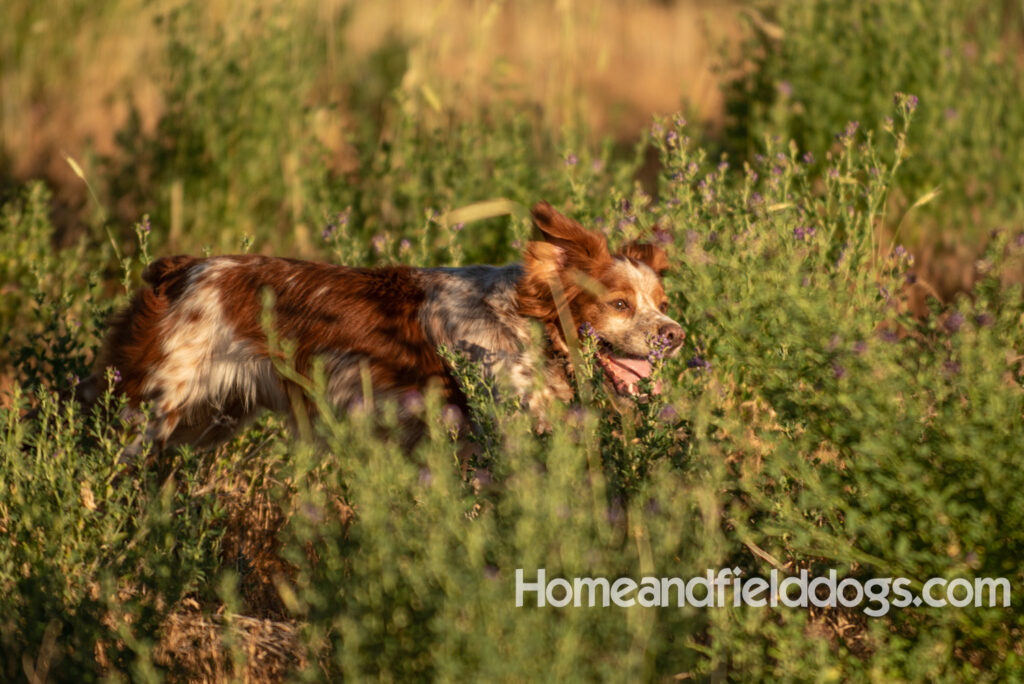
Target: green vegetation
x=811, y=422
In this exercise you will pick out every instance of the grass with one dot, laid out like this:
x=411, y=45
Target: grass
x=824, y=413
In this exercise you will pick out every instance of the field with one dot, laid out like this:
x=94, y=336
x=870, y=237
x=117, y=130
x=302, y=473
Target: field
x=842, y=188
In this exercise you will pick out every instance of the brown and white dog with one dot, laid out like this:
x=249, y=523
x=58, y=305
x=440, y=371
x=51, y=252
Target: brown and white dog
x=193, y=342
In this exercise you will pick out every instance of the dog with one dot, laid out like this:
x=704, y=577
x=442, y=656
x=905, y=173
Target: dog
x=193, y=344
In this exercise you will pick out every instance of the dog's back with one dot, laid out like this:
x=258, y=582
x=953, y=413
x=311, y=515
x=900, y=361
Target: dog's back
x=194, y=341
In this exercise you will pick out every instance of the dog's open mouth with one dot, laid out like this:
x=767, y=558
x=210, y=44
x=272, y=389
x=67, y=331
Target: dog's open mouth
x=625, y=372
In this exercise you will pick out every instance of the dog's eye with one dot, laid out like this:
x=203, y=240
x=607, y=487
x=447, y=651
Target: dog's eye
x=621, y=304
x=664, y=307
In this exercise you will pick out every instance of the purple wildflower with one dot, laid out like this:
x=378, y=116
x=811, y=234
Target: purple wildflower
x=378, y=242
x=985, y=319
x=145, y=225
x=802, y=233
x=116, y=376
x=905, y=101
x=586, y=332
x=659, y=344
x=404, y=245
x=859, y=347
x=412, y=401
x=575, y=416
x=340, y=221
x=785, y=88
x=953, y=323
x=808, y=158
x=698, y=362
x=572, y=160
x=846, y=137
x=837, y=370
x=670, y=138
x=451, y=415
x=668, y=414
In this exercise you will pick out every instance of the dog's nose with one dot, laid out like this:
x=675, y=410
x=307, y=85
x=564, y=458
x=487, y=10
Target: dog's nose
x=672, y=333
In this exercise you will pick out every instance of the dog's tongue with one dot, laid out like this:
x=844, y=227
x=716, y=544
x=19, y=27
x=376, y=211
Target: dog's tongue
x=629, y=371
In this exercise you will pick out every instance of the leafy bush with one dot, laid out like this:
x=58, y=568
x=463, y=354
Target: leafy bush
x=822, y=64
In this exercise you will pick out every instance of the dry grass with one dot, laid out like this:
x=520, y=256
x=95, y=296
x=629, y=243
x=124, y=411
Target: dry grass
x=610, y=62
x=200, y=648
x=613, y=63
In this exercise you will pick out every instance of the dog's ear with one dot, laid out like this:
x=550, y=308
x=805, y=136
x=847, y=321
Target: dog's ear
x=543, y=264
x=652, y=255
x=568, y=235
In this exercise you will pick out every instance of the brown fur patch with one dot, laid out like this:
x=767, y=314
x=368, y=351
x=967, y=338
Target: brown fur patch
x=651, y=255
x=324, y=308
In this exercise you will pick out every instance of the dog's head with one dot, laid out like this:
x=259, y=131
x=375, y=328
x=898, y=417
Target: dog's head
x=572, y=275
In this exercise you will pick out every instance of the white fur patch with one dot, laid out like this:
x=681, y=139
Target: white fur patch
x=206, y=368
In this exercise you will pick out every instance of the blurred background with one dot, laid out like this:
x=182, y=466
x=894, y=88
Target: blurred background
x=263, y=119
